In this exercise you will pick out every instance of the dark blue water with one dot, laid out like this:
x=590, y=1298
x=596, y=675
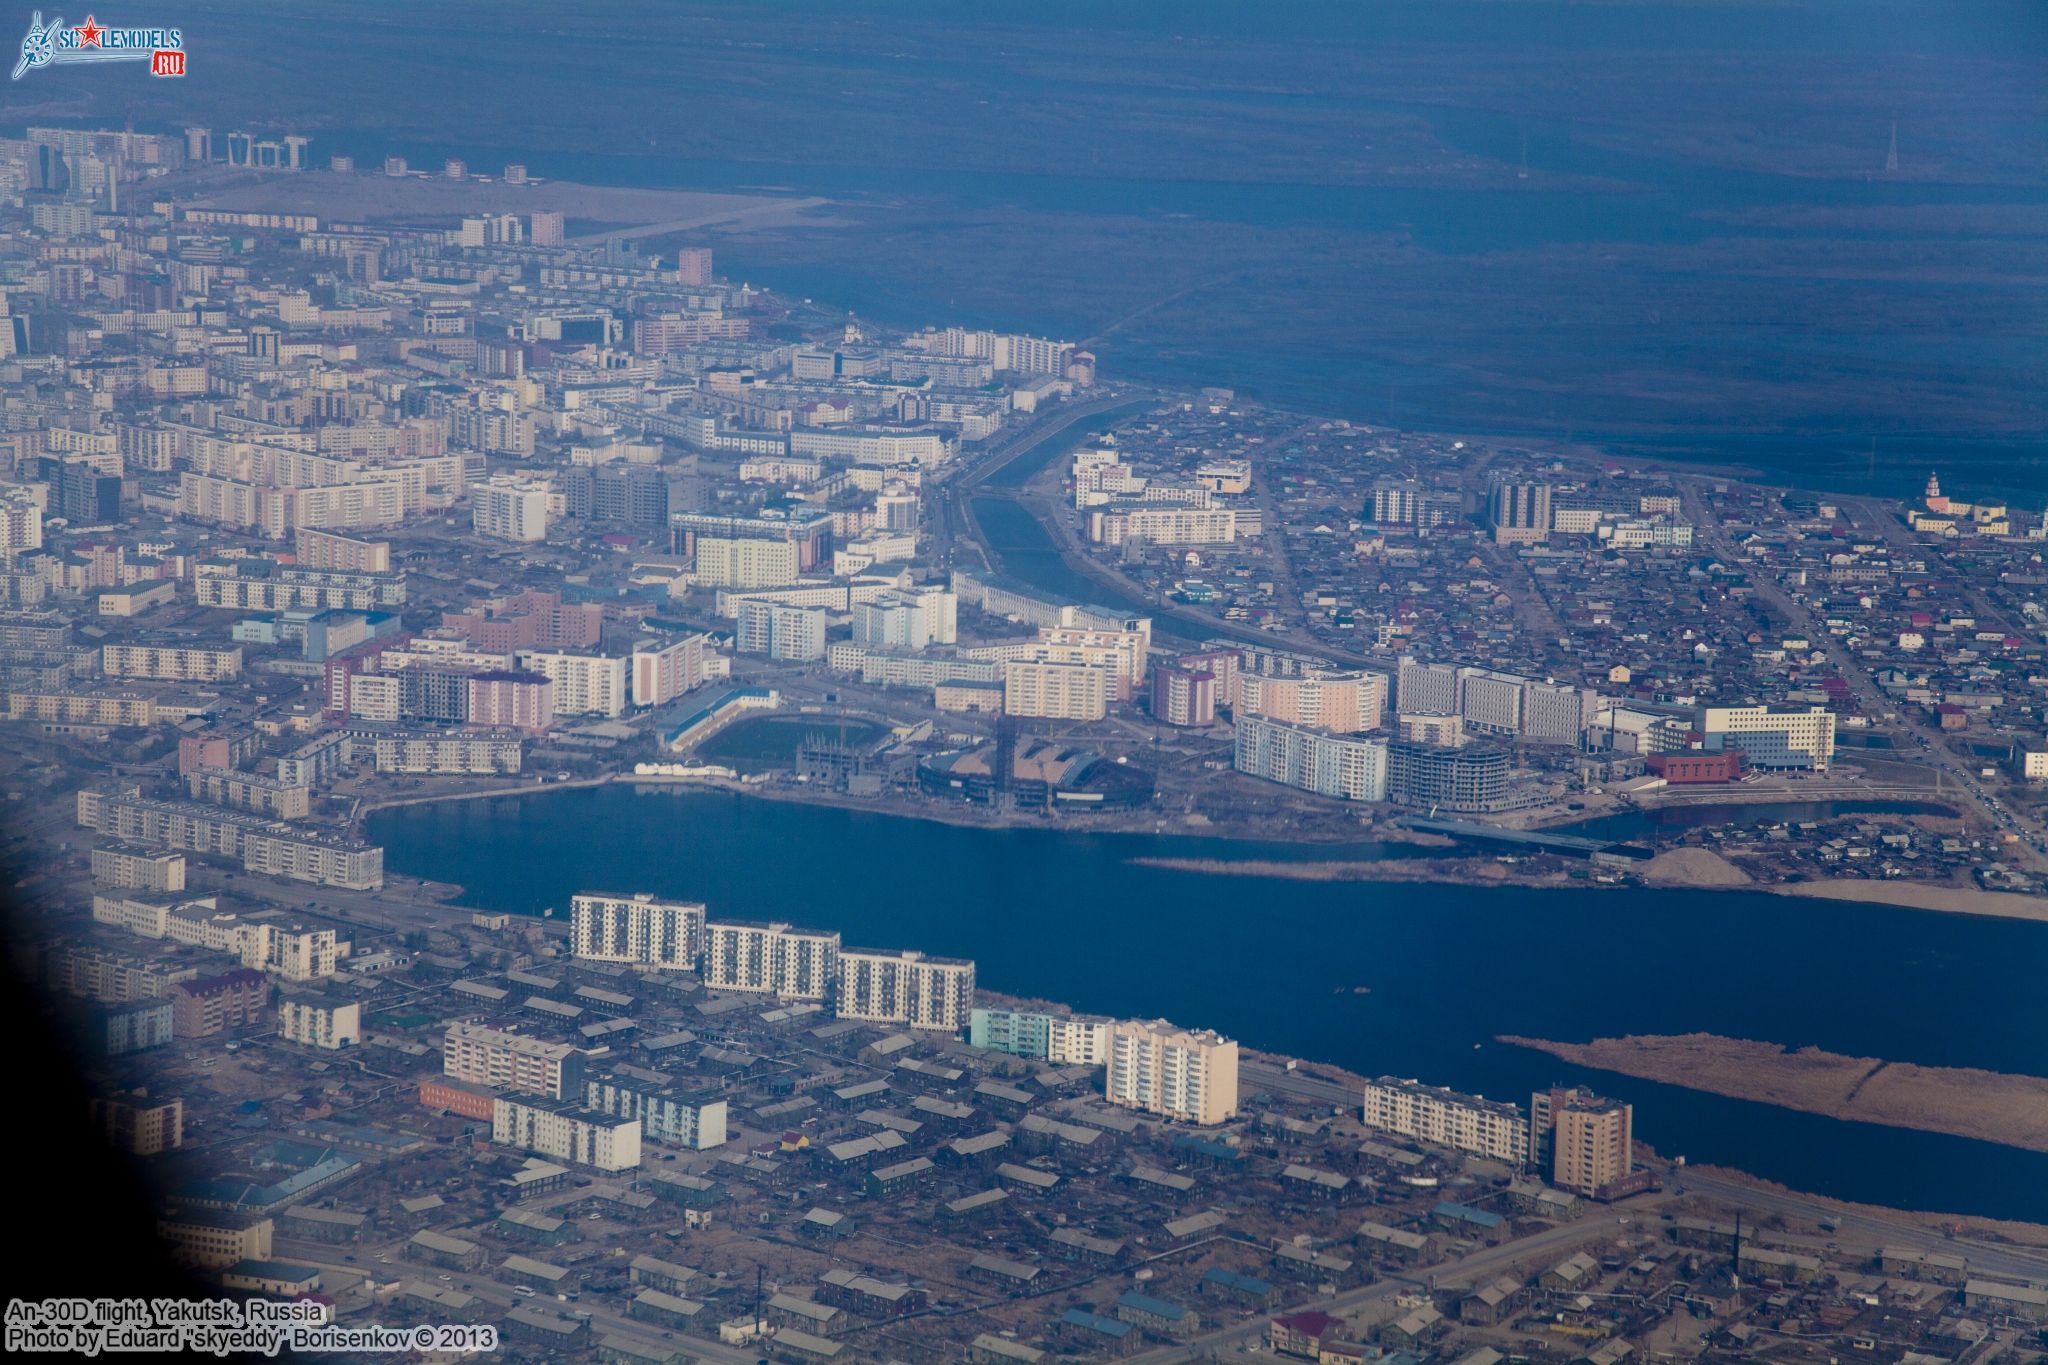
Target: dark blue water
x=1068, y=916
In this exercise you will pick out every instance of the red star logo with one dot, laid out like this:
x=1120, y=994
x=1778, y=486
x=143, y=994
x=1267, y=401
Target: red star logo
x=88, y=33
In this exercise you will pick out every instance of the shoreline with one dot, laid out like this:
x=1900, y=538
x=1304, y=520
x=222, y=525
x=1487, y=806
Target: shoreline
x=1928, y=898
x=2007, y=1108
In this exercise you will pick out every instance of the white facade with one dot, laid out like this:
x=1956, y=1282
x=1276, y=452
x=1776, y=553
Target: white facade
x=510, y=1061
x=1772, y=739
x=636, y=929
x=744, y=562
x=585, y=684
x=1173, y=1072
x=905, y=988
x=1056, y=691
x=664, y=670
x=909, y=619
x=567, y=1134
x=1467, y=1123
x=1311, y=760
x=21, y=521
x=315, y=1021
x=509, y=509
x=772, y=959
x=794, y=633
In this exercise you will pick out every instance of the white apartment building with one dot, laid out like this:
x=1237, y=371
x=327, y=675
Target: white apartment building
x=1467, y=1123
x=1556, y=713
x=1490, y=702
x=505, y=508
x=249, y=791
x=1056, y=691
x=1802, y=738
x=1426, y=688
x=1311, y=760
x=1062, y=1039
x=140, y=869
x=744, y=562
x=665, y=669
x=291, y=952
x=1163, y=524
x=21, y=520
x=566, y=1132
x=317, y=1021
x=907, y=619
x=171, y=663
x=584, y=684
x=905, y=988
x=780, y=632
x=315, y=549
x=1343, y=702
x=1173, y=1072
x=666, y=1115
x=772, y=959
x=885, y=447
x=636, y=929
x=511, y=1061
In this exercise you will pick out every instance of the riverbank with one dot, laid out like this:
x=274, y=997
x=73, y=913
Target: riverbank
x=1990, y=1106
x=1951, y=900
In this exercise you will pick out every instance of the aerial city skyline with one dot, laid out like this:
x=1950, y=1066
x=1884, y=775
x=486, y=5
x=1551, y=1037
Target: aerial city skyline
x=586, y=801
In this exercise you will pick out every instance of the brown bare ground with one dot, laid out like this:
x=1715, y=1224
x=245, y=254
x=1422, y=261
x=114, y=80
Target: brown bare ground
x=1988, y=1105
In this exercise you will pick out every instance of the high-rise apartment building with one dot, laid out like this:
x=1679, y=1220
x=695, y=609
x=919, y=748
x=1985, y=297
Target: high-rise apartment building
x=745, y=562
x=1413, y=504
x=636, y=929
x=1589, y=1140
x=1173, y=1072
x=1343, y=702
x=21, y=521
x=1056, y=691
x=505, y=508
x=133, y=1123
x=321, y=1021
x=666, y=1114
x=907, y=618
x=780, y=632
x=1312, y=760
x=665, y=669
x=773, y=959
x=1183, y=695
x=1470, y=780
x=565, y=1131
x=1422, y=687
x=1468, y=1123
x=511, y=1061
x=905, y=988
x=329, y=550
x=584, y=684
x=1062, y=1039
x=1519, y=513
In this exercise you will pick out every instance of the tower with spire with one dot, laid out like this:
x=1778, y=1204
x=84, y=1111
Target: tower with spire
x=1936, y=502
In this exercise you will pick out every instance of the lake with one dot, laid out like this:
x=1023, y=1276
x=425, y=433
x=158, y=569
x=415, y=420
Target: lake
x=1069, y=916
